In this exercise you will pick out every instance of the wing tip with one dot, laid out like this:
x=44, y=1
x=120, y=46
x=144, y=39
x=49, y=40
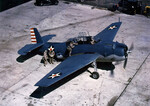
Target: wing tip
x=21, y=52
x=41, y=85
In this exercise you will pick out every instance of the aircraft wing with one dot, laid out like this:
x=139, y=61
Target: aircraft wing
x=67, y=67
x=108, y=33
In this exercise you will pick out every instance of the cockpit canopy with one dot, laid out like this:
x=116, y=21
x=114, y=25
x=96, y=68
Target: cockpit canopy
x=81, y=40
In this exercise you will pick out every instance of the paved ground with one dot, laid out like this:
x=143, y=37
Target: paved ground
x=126, y=88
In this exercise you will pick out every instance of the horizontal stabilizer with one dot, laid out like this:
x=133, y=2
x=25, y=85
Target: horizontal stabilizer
x=28, y=48
x=47, y=37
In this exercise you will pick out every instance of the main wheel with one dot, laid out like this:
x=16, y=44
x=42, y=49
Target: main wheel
x=95, y=75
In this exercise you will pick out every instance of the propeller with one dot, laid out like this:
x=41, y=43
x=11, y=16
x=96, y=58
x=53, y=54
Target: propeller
x=125, y=62
x=127, y=51
x=131, y=47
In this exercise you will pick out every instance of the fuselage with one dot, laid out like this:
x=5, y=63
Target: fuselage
x=108, y=51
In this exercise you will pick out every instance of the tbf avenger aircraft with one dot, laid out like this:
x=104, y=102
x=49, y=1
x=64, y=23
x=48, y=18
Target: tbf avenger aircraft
x=84, y=53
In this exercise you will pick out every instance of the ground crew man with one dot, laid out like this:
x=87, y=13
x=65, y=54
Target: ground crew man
x=45, y=57
x=70, y=47
x=51, y=54
x=92, y=41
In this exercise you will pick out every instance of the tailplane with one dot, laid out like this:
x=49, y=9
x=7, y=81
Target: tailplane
x=36, y=41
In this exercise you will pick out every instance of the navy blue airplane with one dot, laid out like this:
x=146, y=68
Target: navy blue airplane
x=83, y=54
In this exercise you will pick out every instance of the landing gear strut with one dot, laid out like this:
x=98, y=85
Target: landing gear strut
x=95, y=74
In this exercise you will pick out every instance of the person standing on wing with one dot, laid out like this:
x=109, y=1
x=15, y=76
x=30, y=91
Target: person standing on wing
x=92, y=41
x=71, y=46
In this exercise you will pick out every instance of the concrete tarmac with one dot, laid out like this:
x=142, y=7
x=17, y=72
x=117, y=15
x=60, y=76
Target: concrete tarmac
x=129, y=87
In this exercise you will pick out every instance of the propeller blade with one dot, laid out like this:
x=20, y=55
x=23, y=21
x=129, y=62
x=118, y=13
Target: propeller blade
x=123, y=41
x=127, y=52
x=125, y=62
x=131, y=47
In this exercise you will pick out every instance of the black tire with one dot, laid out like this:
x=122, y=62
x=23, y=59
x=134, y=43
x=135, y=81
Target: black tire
x=95, y=75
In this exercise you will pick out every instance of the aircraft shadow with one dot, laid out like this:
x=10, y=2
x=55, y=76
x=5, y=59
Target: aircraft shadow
x=107, y=66
x=23, y=58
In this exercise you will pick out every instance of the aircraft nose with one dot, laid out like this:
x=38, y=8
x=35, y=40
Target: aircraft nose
x=125, y=51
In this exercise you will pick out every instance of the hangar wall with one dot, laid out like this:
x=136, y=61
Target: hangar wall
x=6, y=4
x=107, y=3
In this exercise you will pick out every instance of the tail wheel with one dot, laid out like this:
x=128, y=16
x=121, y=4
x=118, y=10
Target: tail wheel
x=95, y=75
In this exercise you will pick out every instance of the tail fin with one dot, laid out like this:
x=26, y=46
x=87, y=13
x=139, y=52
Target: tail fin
x=35, y=36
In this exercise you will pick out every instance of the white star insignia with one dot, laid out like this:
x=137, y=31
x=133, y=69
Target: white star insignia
x=51, y=48
x=113, y=27
x=54, y=75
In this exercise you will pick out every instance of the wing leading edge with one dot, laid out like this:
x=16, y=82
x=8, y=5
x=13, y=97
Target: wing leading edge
x=108, y=33
x=67, y=67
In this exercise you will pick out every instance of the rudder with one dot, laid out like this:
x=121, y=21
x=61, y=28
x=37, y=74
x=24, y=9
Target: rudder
x=35, y=36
